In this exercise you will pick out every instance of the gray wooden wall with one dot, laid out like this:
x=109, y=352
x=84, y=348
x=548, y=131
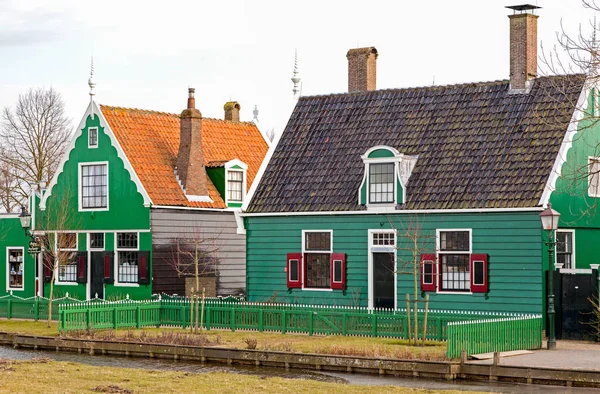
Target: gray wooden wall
x=219, y=227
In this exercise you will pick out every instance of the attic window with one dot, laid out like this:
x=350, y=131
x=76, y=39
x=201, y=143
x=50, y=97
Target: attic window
x=235, y=183
x=381, y=183
x=93, y=137
x=385, y=177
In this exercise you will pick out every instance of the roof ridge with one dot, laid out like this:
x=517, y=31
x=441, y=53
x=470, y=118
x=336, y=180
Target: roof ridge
x=422, y=87
x=113, y=107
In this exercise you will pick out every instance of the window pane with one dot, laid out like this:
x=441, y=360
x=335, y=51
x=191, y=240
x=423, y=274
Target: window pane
x=235, y=183
x=317, y=270
x=97, y=240
x=428, y=273
x=454, y=241
x=67, y=240
x=455, y=272
x=294, y=271
x=478, y=270
x=127, y=240
x=128, y=267
x=381, y=183
x=337, y=271
x=15, y=268
x=94, y=182
x=67, y=265
x=317, y=241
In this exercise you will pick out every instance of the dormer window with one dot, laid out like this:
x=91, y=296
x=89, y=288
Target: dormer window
x=381, y=183
x=92, y=137
x=385, y=177
x=235, y=184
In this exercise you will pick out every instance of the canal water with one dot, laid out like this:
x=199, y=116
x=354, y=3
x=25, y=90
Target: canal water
x=350, y=378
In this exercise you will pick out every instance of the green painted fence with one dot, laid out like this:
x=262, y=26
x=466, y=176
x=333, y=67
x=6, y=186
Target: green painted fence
x=34, y=308
x=494, y=335
x=238, y=315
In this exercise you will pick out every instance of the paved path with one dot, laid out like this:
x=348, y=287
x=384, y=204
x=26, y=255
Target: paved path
x=567, y=355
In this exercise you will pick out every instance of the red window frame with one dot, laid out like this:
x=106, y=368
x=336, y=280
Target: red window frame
x=294, y=258
x=339, y=259
x=477, y=259
x=429, y=259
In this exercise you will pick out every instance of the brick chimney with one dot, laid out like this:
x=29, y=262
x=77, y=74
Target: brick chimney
x=362, y=69
x=232, y=111
x=190, y=159
x=523, y=46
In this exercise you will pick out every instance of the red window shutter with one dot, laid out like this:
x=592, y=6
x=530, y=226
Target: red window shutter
x=81, y=267
x=428, y=272
x=479, y=273
x=108, y=268
x=144, y=267
x=338, y=271
x=293, y=270
x=48, y=267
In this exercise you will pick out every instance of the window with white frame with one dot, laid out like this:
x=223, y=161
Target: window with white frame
x=454, y=257
x=66, y=255
x=94, y=186
x=235, y=186
x=381, y=182
x=564, y=249
x=127, y=256
x=384, y=239
x=15, y=268
x=96, y=240
x=594, y=176
x=317, y=259
x=93, y=137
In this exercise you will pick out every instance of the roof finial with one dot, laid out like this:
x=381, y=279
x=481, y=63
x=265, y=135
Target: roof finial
x=296, y=78
x=255, y=113
x=91, y=82
x=594, y=66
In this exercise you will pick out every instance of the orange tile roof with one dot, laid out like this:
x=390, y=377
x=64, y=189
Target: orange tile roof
x=150, y=141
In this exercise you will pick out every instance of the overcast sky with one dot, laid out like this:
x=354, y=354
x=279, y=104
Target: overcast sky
x=147, y=55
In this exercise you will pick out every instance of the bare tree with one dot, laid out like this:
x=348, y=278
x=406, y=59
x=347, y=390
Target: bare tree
x=413, y=241
x=194, y=255
x=33, y=137
x=8, y=183
x=55, y=234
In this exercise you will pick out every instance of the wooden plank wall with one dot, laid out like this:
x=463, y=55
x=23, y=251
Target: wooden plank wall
x=168, y=224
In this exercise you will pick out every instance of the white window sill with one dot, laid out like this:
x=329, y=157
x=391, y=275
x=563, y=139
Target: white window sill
x=455, y=292
x=127, y=284
x=57, y=283
x=311, y=289
x=15, y=289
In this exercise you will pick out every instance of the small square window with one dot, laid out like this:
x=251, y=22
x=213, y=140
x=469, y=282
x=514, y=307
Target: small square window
x=96, y=240
x=127, y=241
x=93, y=137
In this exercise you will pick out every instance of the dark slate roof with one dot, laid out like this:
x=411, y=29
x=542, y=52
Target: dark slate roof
x=479, y=146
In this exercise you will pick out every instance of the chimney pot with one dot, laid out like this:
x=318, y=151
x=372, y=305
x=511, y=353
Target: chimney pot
x=362, y=69
x=523, y=46
x=232, y=111
x=191, y=104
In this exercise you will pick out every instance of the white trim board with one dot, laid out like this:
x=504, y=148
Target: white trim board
x=380, y=249
x=566, y=144
x=395, y=211
x=93, y=108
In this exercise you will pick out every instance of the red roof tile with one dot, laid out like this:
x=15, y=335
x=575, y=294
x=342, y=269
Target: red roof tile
x=150, y=141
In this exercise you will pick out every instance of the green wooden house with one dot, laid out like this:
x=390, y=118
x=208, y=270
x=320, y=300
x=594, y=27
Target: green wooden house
x=133, y=189
x=367, y=187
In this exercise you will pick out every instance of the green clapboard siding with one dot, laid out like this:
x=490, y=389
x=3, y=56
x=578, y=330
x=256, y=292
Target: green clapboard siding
x=13, y=236
x=570, y=197
x=512, y=240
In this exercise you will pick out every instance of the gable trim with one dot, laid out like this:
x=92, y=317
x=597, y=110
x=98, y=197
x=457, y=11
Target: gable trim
x=388, y=211
x=94, y=109
x=567, y=143
x=261, y=171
